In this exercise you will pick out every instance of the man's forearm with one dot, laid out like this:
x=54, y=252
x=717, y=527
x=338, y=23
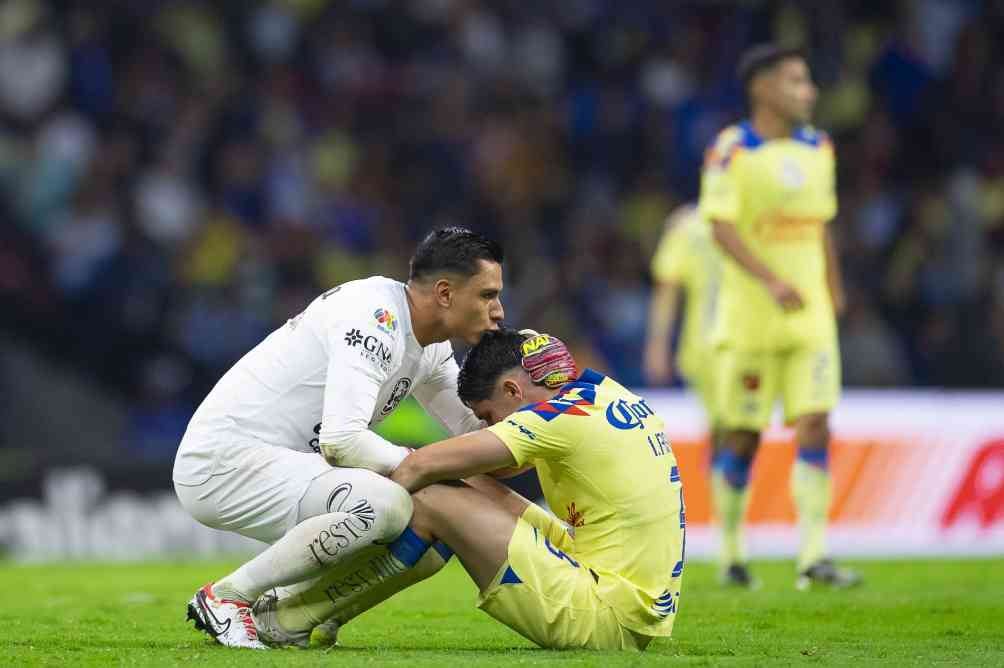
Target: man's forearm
x=363, y=449
x=662, y=313
x=729, y=241
x=455, y=458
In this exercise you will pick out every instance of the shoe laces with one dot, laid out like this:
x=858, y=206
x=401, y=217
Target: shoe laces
x=244, y=616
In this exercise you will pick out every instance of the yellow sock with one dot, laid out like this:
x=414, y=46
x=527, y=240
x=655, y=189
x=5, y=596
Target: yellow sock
x=810, y=489
x=730, y=509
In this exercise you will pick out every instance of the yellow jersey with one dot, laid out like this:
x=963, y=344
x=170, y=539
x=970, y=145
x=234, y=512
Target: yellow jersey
x=779, y=194
x=606, y=467
x=687, y=255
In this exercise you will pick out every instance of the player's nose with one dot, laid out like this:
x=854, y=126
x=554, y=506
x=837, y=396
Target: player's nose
x=497, y=314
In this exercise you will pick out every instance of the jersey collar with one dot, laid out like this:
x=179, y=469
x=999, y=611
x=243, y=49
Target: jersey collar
x=802, y=133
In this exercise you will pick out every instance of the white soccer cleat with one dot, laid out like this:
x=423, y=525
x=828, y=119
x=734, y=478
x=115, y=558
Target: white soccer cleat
x=228, y=622
x=264, y=612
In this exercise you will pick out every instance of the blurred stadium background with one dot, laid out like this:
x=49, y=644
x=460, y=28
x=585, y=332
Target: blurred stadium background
x=177, y=178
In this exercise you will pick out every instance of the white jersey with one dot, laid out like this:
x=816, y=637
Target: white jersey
x=322, y=380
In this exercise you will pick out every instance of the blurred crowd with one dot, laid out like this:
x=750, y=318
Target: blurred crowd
x=178, y=178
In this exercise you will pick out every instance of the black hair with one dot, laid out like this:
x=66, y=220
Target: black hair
x=762, y=57
x=498, y=351
x=455, y=250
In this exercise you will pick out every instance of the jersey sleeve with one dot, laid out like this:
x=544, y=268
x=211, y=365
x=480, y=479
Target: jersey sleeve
x=669, y=264
x=530, y=437
x=438, y=396
x=719, y=198
x=354, y=378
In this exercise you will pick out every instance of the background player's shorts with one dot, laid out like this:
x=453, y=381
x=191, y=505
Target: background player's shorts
x=701, y=380
x=807, y=379
x=265, y=490
x=546, y=596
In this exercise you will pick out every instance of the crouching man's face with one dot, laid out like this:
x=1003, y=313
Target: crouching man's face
x=512, y=391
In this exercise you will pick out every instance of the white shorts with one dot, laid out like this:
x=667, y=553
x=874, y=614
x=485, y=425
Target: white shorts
x=263, y=490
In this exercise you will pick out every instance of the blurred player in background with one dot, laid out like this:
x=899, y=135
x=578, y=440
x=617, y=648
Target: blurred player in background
x=686, y=269
x=768, y=189
x=612, y=579
x=250, y=461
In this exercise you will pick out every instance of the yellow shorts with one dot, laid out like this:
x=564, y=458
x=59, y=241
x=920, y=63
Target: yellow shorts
x=702, y=381
x=749, y=382
x=548, y=597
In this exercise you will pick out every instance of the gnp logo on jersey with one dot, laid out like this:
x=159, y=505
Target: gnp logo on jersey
x=386, y=321
x=566, y=403
x=626, y=415
x=374, y=350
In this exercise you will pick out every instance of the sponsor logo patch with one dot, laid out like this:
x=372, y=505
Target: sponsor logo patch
x=397, y=395
x=627, y=415
x=372, y=349
x=386, y=321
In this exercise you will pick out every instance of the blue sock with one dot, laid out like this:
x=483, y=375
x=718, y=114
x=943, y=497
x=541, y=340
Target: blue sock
x=818, y=457
x=444, y=550
x=734, y=468
x=408, y=548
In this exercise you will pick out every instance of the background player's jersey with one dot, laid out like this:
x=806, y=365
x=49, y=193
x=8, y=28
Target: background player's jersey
x=606, y=467
x=687, y=255
x=336, y=369
x=779, y=194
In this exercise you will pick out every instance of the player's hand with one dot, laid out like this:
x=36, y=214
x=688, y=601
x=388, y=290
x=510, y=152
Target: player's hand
x=658, y=365
x=786, y=296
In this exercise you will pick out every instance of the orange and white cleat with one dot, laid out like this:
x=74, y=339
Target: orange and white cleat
x=227, y=621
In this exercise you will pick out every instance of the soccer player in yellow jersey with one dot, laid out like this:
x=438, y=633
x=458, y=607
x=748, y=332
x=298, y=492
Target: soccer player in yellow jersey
x=687, y=265
x=768, y=190
x=612, y=579
x=607, y=578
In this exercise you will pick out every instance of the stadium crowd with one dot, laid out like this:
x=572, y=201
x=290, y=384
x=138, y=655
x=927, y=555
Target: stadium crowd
x=178, y=178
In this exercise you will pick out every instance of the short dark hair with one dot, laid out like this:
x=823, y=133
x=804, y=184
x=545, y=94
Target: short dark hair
x=498, y=351
x=452, y=249
x=762, y=57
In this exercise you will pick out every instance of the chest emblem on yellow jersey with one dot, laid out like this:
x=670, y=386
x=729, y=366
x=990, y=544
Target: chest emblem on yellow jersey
x=792, y=175
x=574, y=518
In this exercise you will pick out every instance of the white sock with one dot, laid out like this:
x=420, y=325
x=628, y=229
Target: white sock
x=354, y=587
x=307, y=550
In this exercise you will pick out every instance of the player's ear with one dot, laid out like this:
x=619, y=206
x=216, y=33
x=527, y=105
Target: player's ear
x=510, y=388
x=443, y=291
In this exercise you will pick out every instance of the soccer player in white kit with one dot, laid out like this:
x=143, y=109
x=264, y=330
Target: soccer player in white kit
x=282, y=450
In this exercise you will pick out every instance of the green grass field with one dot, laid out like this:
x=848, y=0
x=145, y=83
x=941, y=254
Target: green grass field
x=908, y=613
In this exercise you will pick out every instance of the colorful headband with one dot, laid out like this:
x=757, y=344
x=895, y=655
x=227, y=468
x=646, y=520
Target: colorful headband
x=547, y=359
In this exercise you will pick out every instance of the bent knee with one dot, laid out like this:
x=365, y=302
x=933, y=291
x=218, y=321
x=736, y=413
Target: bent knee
x=357, y=491
x=393, y=506
x=425, y=505
x=813, y=430
x=743, y=442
